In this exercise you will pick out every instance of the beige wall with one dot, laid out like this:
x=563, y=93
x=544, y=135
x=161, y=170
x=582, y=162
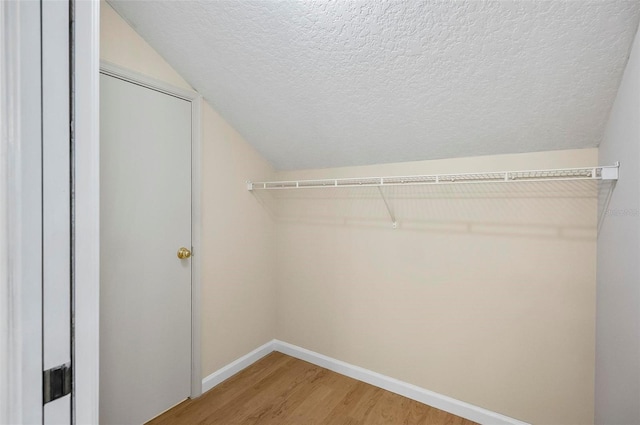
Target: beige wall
x=238, y=293
x=485, y=293
x=121, y=45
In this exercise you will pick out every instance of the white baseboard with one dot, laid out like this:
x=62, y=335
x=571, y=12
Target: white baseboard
x=439, y=401
x=236, y=366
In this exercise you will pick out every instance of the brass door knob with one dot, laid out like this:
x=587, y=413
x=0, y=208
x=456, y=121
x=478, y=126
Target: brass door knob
x=184, y=253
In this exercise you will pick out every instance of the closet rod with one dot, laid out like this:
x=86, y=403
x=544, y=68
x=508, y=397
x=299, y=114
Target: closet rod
x=561, y=174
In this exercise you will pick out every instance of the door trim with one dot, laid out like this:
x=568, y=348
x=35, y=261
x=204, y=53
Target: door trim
x=86, y=346
x=21, y=215
x=195, y=98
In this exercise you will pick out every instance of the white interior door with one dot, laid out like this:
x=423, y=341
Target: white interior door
x=145, y=290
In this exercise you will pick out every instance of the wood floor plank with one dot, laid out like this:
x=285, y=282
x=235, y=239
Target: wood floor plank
x=282, y=390
x=305, y=412
x=289, y=402
x=437, y=416
x=192, y=411
x=416, y=413
x=320, y=404
x=387, y=410
x=340, y=413
x=362, y=409
x=245, y=403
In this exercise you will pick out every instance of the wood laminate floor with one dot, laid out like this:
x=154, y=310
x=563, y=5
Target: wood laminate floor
x=282, y=390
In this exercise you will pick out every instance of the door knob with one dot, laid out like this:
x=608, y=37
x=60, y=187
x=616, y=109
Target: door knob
x=184, y=253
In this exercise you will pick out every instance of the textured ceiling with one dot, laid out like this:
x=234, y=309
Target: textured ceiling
x=314, y=84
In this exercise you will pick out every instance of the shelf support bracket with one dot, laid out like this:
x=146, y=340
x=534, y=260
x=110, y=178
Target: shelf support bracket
x=611, y=174
x=394, y=223
x=605, y=207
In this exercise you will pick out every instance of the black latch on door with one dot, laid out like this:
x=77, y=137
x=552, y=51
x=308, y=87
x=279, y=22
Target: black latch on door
x=57, y=382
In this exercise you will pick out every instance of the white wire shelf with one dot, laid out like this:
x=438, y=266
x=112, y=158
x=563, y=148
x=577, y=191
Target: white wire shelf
x=562, y=174
x=599, y=174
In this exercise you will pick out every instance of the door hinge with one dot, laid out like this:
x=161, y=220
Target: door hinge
x=57, y=382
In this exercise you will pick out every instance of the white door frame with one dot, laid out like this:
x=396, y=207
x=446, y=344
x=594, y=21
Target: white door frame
x=20, y=212
x=196, y=218
x=21, y=215
x=86, y=69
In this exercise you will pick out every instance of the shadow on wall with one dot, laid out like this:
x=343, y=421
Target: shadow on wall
x=550, y=210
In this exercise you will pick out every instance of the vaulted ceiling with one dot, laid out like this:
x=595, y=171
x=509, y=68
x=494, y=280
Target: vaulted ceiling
x=314, y=84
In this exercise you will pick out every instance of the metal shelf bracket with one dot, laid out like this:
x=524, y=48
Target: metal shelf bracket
x=394, y=222
x=611, y=174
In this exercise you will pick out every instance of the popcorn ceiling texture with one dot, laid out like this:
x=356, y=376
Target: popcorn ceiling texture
x=313, y=84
